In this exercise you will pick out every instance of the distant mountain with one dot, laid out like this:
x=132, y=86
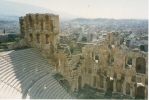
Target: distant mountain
x=15, y=10
x=104, y=19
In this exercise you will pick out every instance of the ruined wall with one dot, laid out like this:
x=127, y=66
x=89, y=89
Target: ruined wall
x=41, y=31
x=120, y=74
x=117, y=68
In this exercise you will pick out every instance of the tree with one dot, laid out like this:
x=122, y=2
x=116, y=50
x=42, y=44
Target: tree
x=129, y=61
x=84, y=39
x=112, y=58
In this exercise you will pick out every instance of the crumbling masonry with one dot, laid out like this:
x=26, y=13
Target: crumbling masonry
x=41, y=31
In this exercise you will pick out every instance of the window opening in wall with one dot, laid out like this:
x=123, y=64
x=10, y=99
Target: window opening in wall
x=47, y=39
x=30, y=37
x=128, y=62
x=30, y=21
x=140, y=92
x=96, y=57
x=112, y=58
x=140, y=65
x=38, y=38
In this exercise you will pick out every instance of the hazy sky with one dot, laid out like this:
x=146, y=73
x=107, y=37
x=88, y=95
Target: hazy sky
x=137, y=9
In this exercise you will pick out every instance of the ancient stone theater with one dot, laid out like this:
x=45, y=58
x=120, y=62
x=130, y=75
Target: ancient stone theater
x=46, y=69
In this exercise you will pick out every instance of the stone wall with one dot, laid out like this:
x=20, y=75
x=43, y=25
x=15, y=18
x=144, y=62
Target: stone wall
x=41, y=31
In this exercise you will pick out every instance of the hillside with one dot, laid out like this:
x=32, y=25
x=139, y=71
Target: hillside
x=14, y=10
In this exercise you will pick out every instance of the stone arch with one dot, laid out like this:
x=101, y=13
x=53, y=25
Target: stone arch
x=110, y=60
x=140, y=65
x=96, y=56
x=101, y=82
x=79, y=83
x=51, y=25
x=30, y=21
x=30, y=37
x=109, y=83
x=128, y=88
x=94, y=81
x=118, y=85
x=47, y=22
x=47, y=38
x=37, y=20
x=128, y=61
x=38, y=38
x=140, y=92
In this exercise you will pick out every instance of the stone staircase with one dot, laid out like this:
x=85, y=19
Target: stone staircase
x=25, y=74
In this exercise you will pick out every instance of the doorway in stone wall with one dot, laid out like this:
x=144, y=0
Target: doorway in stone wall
x=128, y=88
x=94, y=82
x=140, y=92
x=101, y=81
x=140, y=65
x=109, y=83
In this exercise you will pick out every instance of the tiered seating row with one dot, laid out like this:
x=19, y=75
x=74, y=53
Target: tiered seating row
x=27, y=71
x=48, y=88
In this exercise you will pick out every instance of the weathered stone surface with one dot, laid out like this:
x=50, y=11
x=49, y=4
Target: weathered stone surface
x=41, y=31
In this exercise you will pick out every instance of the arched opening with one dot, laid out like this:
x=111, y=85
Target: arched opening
x=30, y=21
x=109, y=83
x=140, y=92
x=38, y=38
x=118, y=86
x=51, y=25
x=128, y=88
x=110, y=59
x=128, y=62
x=37, y=21
x=47, y=24
x=79, y=83
x=30, y=38
x=101, y=81
x=94, y=82
x=47, y=39
x=96, y=57
x=140, y=65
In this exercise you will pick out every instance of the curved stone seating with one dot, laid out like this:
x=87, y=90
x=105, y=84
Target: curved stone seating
x=46, y=92
x=39, y=84
x=40, y=90
x=26, y=71
x=54, y=90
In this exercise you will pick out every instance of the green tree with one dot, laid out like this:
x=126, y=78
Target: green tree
x=84, y=39
x=112, y=58
x=129, y=60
